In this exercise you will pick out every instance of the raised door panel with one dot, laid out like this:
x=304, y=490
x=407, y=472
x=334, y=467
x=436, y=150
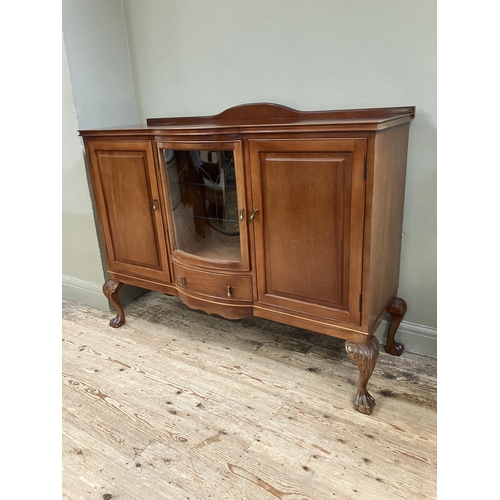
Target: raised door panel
x=309, y=225
x=126, y=194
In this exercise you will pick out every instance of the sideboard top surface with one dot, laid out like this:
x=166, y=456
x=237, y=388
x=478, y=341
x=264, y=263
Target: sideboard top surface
x=267, y=116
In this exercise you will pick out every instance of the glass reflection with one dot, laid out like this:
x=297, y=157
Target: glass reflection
x=203, y=200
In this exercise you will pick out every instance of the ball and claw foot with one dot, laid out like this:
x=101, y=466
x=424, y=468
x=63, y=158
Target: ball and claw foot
x=110, y=290
x=364, y=403
x=397, y=309
x=116, y=322
x=365, y=356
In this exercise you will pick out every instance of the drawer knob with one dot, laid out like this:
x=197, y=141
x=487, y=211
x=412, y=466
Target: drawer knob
x=183, y=282
x=229, y=291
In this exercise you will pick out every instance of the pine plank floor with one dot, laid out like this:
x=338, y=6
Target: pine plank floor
x=177, y=404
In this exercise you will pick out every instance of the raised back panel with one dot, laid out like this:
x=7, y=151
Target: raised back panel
x=270, y=113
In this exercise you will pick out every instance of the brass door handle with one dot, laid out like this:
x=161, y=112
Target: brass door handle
x=155, y=204
x=253, y=214
x=241, y=214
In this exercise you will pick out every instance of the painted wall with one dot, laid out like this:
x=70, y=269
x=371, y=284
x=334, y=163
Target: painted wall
x=81, y=259
x=191, y=57
x=101, y=76
x=98, y=91
x=132, y=60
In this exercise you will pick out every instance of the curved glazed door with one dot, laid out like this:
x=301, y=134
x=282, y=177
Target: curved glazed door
x=205, y=188
x=126, y=192
x=309, y=226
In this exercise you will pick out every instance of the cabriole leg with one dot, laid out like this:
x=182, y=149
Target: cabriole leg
x=111, y=289
x=397, y=309
x=365, y=356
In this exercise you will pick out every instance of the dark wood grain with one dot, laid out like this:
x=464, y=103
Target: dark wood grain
x=128, y=202
x=397, y=309
x=365, y=356
x=183, y=257
x=265, y=118
x=213, y=306
x=308, y=233
x=213, y=285
x=385, y=203
x=270, y=113
x=321, y=197
x=110, y=290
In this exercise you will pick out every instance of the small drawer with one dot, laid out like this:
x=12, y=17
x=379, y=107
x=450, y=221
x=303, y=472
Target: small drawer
x=219, y=286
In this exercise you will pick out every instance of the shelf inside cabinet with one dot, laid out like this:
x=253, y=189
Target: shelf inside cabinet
x=206, y=217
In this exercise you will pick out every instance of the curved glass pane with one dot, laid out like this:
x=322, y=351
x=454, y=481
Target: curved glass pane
x=204, y=204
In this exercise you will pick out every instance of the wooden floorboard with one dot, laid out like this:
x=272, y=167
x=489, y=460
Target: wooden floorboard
x=177, y=404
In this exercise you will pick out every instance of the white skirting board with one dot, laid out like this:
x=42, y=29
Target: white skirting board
x=85, y=292
x=419, y=339
x=91, y=293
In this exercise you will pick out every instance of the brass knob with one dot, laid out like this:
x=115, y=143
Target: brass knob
x=182, y=283
x=229, y=291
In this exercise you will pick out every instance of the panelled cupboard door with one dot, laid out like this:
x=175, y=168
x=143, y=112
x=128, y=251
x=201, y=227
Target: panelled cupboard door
x=126, y=192
x=308, y=230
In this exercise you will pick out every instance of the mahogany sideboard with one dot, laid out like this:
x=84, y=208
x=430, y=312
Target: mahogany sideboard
x=291, y=216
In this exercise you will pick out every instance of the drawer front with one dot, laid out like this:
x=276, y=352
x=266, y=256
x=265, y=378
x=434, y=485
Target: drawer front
x=218, y=286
